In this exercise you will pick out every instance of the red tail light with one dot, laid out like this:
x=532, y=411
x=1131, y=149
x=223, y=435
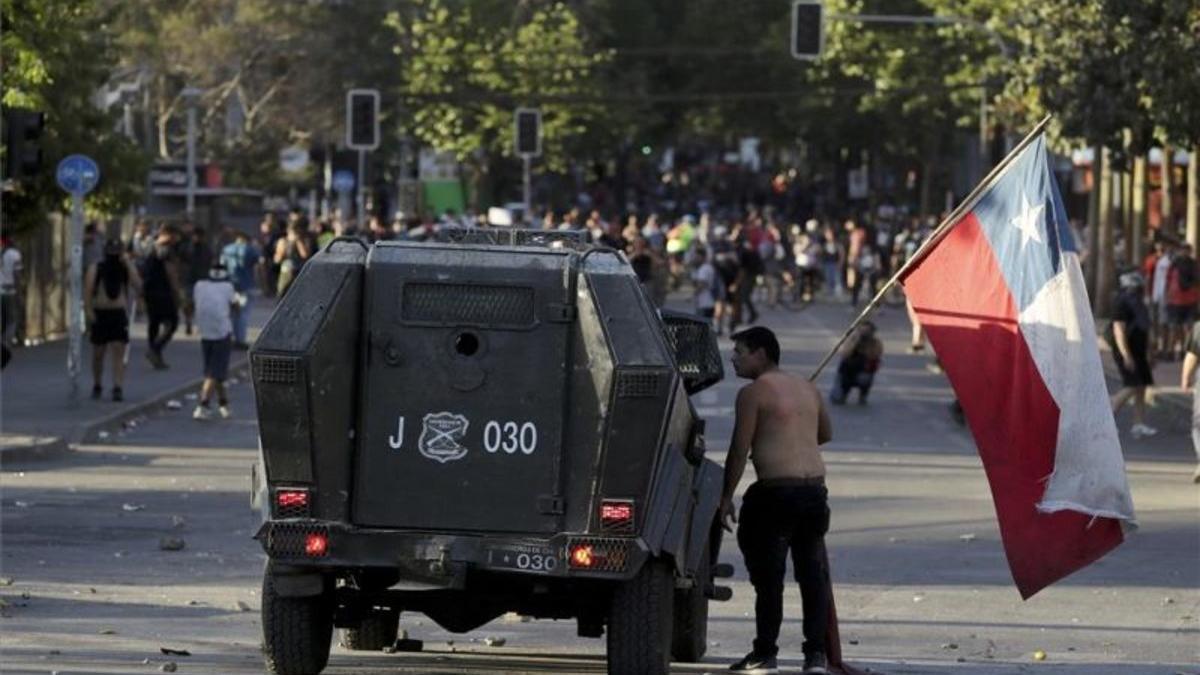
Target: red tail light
x=616, y=516
x=316, y=545
x=582, y=556
x=291, y=498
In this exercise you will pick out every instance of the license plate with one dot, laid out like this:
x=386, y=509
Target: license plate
x=524, y=558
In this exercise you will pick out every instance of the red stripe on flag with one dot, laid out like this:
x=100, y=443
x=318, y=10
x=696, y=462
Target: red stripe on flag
x=965, y=306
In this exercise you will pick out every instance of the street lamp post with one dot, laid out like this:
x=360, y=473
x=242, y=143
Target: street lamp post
x=190, y=95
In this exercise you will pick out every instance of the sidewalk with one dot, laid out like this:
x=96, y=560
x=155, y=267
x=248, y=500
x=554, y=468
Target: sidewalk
x=41, y=416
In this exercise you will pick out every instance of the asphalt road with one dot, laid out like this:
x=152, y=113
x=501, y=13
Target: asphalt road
x=920, y=578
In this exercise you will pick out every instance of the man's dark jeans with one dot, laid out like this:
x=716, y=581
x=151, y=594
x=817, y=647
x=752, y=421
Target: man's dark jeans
x=779, y=516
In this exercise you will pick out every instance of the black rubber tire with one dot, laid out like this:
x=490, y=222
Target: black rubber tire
x=689, y=639
x=640, y=621
x=297, y=632
x=377, y=630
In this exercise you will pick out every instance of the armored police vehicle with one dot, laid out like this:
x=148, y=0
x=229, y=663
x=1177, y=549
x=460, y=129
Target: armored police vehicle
x=498, y=423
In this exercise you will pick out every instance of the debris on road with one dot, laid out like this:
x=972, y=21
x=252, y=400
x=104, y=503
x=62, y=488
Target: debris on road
x=174, y=405
x=966, y=538
x=171, y=544
x=167, y=651
x=1039, y=655
x=241, y=606
x=132, y=507
x=494, y=641
x=168, y=667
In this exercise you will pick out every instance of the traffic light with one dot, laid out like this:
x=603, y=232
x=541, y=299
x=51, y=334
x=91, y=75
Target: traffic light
x=23, y=138
x=529, y=132
x=808, y=32
x=362, y=119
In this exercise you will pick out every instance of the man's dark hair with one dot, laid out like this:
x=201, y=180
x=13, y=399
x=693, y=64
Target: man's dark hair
x=758, y=337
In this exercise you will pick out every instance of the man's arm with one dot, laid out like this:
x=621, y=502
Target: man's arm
x=89, y=290
x=745, y=422
x=1121, y=339
x=824, y=426
x=1190, y=361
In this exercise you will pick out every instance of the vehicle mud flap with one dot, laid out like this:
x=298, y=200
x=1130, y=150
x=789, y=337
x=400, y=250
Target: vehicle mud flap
x=689, y=639
x=378, y=629
x=640, y=621
x=297, y=631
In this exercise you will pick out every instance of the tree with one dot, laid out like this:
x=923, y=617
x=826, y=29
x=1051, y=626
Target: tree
x=468, y=66
x=57, y=57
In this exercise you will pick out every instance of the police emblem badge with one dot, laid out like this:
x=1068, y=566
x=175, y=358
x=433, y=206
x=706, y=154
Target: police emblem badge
x=441, y=434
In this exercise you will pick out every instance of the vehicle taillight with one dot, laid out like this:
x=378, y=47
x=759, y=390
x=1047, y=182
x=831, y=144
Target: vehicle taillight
x=582, y=556
x=287, y=499
x=616, y=516
x=316, y=545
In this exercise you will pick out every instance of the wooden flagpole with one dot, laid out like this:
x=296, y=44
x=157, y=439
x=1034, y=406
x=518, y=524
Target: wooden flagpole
x=938, y=234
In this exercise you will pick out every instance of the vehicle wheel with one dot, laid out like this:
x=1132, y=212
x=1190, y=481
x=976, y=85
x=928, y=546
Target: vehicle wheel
x=689, y=639
x=377, y=630
x=296, y=631
x=639, y=622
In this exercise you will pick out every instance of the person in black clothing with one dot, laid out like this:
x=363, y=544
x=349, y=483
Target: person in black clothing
x=860, y=361
x=196, y=261
x=750, y=267
x=161, y=292
x=1129, y=337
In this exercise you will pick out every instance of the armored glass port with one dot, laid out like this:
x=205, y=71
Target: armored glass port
x=466, y=344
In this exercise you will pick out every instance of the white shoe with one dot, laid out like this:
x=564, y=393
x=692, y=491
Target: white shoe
x=1142, y=431
x=201, y=413
x=225, y=413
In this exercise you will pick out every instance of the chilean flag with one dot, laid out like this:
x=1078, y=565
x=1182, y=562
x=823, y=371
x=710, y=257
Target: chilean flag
x=1002, y=299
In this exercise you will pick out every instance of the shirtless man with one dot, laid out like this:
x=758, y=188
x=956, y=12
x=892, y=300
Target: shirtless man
x=780, y=421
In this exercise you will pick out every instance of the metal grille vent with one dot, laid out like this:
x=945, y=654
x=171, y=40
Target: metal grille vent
x=463, y=303
x=611, y=555
x=291, y=511
x=697, y=354
x=286, y=540
x=637, y=384
x=276, y=369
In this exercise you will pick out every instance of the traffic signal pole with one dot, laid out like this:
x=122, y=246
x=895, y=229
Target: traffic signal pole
x=527, y=160
x=358, y=190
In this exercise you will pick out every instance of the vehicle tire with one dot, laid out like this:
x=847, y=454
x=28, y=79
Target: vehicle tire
x=640, y=621
x=296, y=631
x=377, y=630
x=689, y=639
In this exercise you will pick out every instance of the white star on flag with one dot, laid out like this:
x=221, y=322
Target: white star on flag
x=1028, y=221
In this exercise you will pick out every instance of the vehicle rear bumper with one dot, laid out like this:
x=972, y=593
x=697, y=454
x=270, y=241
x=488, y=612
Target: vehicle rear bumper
x=443, y=560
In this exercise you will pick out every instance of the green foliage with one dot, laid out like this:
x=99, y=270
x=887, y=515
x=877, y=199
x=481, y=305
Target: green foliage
x=466, y=69
x=57, y=56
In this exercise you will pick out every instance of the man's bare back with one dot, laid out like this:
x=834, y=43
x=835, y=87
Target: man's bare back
x=790, y=422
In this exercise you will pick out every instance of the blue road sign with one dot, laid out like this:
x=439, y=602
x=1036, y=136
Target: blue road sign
x=78, y=174
x=343, y=180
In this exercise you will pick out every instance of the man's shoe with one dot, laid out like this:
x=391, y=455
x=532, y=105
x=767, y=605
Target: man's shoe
x=97, y=392
x=117, y=394
x=201, y=413
x=224, y=410
x=753, y=663
x=816, y=663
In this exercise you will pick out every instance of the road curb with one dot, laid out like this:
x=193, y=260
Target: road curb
x=21, y=449
x=90, y=433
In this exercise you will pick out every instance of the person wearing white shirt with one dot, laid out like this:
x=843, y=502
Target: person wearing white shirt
x=1157, y=299
x=10, y=285
x=214, y=299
